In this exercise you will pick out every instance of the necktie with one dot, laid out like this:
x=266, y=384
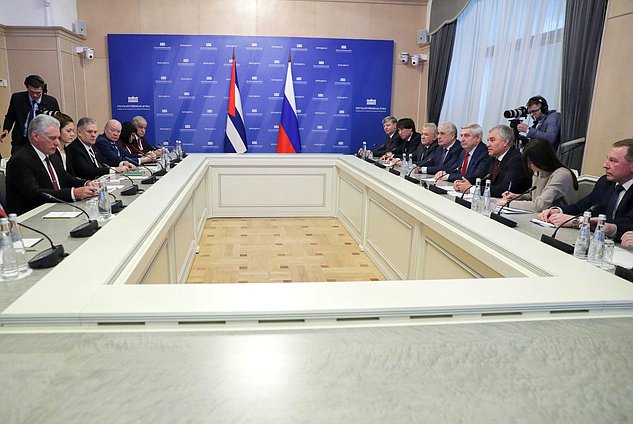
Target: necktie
x=495, y=169
x=465, y=164
x=93, y=157
x=3, y=213
x=613, y=201
x=30, y=116
x=445, y=155
x=51, y=173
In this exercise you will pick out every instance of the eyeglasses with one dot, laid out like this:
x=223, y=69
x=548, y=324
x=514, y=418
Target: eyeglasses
x=533, y=110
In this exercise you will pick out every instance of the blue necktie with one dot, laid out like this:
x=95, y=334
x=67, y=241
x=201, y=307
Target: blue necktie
x=613, y=201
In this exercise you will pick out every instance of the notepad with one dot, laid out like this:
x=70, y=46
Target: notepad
x=133, y=173
x=542, y=223
x=61, y=215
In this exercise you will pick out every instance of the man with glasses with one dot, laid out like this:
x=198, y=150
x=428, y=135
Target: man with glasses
x=545, y=122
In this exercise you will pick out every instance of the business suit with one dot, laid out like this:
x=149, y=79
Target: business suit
x=600, y=196
x=28, y=178
x=477, y=164
x=82, y=163
x=442, y=161
x=510, y=172
x=548, y=128
x=391, y=143
x=423, y=155
x=19, y=109
x=114, y=153
x=69, y=161
x=408, y=146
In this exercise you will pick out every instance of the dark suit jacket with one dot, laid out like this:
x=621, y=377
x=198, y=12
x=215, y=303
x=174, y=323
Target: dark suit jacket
x=408, y=146
x=441, y=163
x=83, y=165
x=28, y=178
x=391, y=144
x=600, y=196
x=423, y=155
x=19, y=108
x=477, y=164
x=510, y=171
x=69, y=161
x=113, y=153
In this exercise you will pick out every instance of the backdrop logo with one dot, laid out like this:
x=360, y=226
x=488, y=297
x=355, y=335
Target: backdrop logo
x=371, y=102
x=132, y=99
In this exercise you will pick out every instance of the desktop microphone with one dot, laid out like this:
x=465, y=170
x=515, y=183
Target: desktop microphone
x=117, y=205
x=82, y=230
x=149, y=180
x=47, y=258
x=435, y=189
x=131, y=190
x=496, y=216
x=160, y=172
x=561, y=245
x=465, y=203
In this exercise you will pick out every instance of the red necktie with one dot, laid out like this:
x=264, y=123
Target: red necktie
x=52, y=174
x=3, y=213
x=465, y=164
x=495, y=169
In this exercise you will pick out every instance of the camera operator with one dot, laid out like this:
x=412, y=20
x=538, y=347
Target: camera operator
x=546, y=123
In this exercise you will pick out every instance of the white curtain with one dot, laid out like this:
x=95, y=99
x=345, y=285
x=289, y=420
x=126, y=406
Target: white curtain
x=506, y=51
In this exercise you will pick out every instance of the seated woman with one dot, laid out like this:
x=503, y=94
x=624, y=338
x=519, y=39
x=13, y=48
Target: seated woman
x=67, y=136
x=129, y=141
x=556, y=185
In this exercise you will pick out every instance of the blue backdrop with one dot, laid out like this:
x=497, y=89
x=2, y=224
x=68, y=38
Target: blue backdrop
x=180, y=84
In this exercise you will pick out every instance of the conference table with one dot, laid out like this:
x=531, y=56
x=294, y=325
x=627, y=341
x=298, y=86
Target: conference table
x=442, y=261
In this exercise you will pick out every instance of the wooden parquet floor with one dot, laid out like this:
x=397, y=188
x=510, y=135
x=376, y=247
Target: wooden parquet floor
x=256, y=250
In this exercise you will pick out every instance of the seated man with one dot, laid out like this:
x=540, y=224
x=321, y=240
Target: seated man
x=505, y=167
x=110, y=147
x=423, y=154
x=87, y=161
x=447, y=154
x=143, y=145
x=473, y=161
x=392, y=141
x=612, y=194
x=409, y=136
x=35, y=170
x=546, y=123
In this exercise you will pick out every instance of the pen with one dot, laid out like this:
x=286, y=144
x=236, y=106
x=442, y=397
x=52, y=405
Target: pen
x=510, y=186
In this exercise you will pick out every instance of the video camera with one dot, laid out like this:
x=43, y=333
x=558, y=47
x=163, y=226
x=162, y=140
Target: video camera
x=520, y=112
x=515, y=116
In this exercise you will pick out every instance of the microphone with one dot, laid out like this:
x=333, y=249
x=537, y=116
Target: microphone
x=465, y=203
x=561, y=245
x=435, y=189
x=117, y=205
x=130, y=191
x=162, y=171
x=149, y=180
x=47, y=258
x=83, y=230
x=496, y=216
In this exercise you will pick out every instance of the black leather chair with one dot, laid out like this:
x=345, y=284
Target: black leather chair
x=571, y=153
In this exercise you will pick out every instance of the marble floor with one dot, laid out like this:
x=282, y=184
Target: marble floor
x=572, y=371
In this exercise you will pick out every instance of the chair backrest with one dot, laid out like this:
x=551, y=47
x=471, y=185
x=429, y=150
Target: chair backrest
x=571, y=153
x=585, y=185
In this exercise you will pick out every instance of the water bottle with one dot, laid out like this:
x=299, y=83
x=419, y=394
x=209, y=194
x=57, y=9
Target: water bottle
x=475, y=204
x=18, y=244
x=165, y=158
x=9, y=268
x=403, y=165
x=178, y=149
x=410, y=163
x=484, y=208
x=103, y=200
x=582, y=240
x=364, y=150
x=596, y=246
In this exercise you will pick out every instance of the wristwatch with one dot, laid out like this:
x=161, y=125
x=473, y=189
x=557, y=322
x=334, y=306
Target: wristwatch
x=575, y=223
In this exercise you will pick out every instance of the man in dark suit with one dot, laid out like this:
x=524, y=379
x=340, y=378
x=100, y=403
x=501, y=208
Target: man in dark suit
x=111, y=149
x=447, y=154
x=391, y=142
x=423, y=154
x=473, y=160
x=23, y=107
x=612, y=195
x=143, y=145
x=505, y=167
x=35, y=170
x=409, y=136
x=87, y=161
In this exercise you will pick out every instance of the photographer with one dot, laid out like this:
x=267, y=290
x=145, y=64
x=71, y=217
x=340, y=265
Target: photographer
x=546, y=123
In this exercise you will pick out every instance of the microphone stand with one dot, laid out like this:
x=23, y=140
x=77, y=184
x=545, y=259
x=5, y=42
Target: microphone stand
x=47, y=258
x=130, y=191
x=117, y=205
x=561, y=245
x=149, y=180
x=435, y=189
x=502, y=219
x=83, y=230
x=465, y=203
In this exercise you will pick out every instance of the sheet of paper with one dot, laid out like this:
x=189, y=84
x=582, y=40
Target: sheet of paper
x=542, y=223
x=61, y=215
x=623, y=257
x=29, y=242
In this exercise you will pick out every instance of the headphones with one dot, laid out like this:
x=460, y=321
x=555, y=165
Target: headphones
x=36, y=81
x=542, y=102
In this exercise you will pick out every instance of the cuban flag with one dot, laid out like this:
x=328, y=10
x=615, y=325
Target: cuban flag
x=235, y=133
x=288, y=140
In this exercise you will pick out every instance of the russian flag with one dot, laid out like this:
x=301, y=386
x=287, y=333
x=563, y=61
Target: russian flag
x=288, y=140
x=235, y=133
